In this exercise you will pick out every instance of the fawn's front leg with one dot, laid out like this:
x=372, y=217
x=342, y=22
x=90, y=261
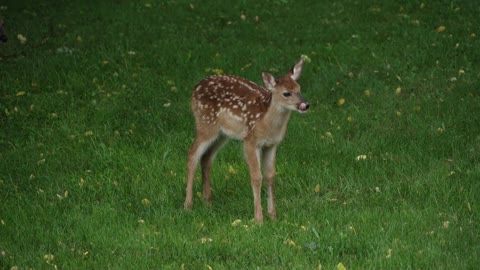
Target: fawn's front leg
x=253, y=159
x=268, y=160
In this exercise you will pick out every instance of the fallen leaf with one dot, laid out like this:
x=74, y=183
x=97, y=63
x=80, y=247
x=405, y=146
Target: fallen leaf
x=146, y=202
x=306, y=58
x=231, y=170
x=340, y=266
x=446, y=224
x=48, y=258
x=291, y=243
x=361, y=157
x=236, y=222
x=440, y=29
x=389, y=253
x=204, y=240
x=22, y=39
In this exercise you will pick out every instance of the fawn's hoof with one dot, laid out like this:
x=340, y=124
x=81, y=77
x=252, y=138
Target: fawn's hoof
x=188, y=206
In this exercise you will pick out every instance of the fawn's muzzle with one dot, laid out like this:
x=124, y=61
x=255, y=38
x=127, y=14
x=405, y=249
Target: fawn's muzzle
x=303, y=107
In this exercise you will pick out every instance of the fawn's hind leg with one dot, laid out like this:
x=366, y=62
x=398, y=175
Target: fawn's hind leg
x=201, y=144
x=206, y=163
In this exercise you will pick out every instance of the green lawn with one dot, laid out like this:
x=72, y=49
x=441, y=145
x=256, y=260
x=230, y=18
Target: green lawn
x=382, y=172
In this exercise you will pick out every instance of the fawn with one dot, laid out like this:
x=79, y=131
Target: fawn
x=232, y=107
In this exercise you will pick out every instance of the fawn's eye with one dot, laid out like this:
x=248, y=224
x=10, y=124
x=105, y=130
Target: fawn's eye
x=287, y=94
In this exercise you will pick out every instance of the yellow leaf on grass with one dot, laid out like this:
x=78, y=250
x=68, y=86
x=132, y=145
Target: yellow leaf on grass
x=340, y=266
x=306, y=58
x=204, y=240
x=236, y=222
x=361, y=157
x=22, y=38
x=21, y=93
x=48, y=258
x=440, y=29
x=317, y=188
x=231, y=170
x=217, y=71
x=146, y=202
x=291, y=243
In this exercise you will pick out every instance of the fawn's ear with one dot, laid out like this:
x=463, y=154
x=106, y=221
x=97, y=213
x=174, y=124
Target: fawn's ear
x=296, y=70
x=268, y=80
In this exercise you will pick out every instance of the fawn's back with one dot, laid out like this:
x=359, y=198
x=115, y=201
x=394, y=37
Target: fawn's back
x=229, y=103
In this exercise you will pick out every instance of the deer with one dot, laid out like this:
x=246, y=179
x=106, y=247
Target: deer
x=230, y=107
x=3, y=35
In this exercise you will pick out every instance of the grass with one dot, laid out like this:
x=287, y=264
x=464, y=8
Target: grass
x=96, y=123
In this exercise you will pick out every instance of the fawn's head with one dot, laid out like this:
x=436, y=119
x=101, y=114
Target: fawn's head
x=285, y=90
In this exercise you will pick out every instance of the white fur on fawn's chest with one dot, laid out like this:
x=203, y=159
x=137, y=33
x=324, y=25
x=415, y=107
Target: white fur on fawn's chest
x=272, y=132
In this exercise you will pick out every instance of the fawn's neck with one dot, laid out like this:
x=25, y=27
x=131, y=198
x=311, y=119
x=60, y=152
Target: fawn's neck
x=276, y=120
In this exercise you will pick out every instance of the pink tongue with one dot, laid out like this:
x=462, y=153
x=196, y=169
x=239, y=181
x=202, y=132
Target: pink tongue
x=302, y=107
